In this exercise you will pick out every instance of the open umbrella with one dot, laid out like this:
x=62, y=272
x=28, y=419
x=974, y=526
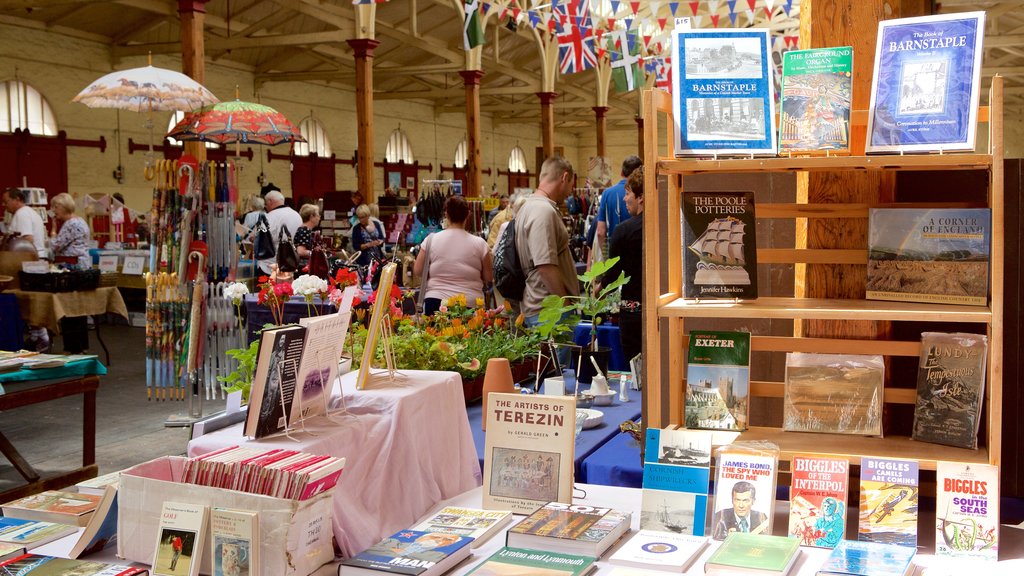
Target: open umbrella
x=237, y=122
x=144, y=90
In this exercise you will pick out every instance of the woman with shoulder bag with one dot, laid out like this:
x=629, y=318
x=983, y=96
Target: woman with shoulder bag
x=453, y=261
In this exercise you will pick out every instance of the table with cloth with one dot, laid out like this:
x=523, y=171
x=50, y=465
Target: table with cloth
x=607, y=336
x=46, y=309
x=615, y=463
x=407, y=447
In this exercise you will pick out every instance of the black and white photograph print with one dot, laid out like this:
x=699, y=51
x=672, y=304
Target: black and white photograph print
x=718, y=57
x=684, y=447
x=668, y=511
x=725, y=119
x=923, y=87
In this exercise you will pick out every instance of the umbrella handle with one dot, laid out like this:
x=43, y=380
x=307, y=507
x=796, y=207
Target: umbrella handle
x=149, y=170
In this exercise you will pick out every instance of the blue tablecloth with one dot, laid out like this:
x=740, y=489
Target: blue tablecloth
x=90, y=367
x=607, y=335
x=616, y=463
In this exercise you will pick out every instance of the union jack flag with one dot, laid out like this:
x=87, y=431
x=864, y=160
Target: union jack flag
x=664, y=74
x=576, y=49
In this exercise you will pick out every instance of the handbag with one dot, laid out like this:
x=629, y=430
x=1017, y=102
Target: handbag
x=263, y=244
x=287, y=258
x=318, y=265
x=423, y=277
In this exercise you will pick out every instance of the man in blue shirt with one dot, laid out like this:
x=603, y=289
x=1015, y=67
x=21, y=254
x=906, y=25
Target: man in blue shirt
x=612, y=208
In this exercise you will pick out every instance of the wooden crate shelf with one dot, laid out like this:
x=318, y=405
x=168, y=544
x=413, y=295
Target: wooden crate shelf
x=827, y=164
x=824, y=309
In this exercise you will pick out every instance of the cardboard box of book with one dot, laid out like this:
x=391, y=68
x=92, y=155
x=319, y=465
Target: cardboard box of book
x=295, y=536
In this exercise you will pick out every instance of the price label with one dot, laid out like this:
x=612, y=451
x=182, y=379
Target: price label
x=108, y=263
x=134, y=265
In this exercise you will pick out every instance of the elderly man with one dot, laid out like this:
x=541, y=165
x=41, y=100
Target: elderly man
x=25, y=220
x=279, y=217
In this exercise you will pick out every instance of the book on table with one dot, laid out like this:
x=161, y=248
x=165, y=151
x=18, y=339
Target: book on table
x=657, y=550
x=410, y=552
x=98, y=485
x=744, y=488
x=719, y=245
x=675, y=481
x=888, y=501
x=181, y=538
x=754, y=554
x=37, y=565
x=950, y=388
x=474, y=523
x=572, y=529
x=10, y=551
x=718, y=380
x=817, y=499
x=855, y=558
x=524, y=561
x=54, y=506
x=817, y=88
x=101, y=532
x=318, y=368
x=29, y=534
x=274, y=380
x=234, y=542
x=967, y=510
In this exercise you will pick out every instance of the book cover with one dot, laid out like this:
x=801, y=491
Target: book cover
x=274, y=381
x=723, y=96
x=520, y=561
x=477, y=524
x=924, y=89
x=744, y=491
x=101, y=532
x=54, y=506
x=29, y=534
x=818, y=504
x=817, y=87
x=569, y=522
x=718, y=380
x=657, y=550
x=36, y=565
x=936, y=255
x=181, y=539
x=950, y=388
x=98, y=485
x=833, y=393
x=967, y=510
x=234, y=542
x=771, y=554
x=677, y=470
x=719, y=245
x=529, y=451
x=854, y=558
x=888, y=501
x=410, y=552
x=8, y=551
x=325, y=336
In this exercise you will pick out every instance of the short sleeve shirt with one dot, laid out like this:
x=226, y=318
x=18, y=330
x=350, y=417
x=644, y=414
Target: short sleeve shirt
x=541, y=238
x=26, y=221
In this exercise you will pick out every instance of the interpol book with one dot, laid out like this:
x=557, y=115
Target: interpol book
x=818, y=506
x=718, y=380
x=967, y=510
x=888, y=501
x=817, y=88
x=723, y=97
x=677, y=470
x=925, y=86
x=719, y=245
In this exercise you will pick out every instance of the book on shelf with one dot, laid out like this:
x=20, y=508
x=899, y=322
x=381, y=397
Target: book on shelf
x=512, y=561
x=657, y=550
x=856, y=558
x=817, y=88
x=37, y=565
x=937, y=255
x=744, y=488
x=760, y=554
x=409, y=552
x=529, y=451
x=324, y=338
x=28, y=534
x=572, y=529
x=888, y=501
x=278, y=473
x=719, y=245
x=234, y=542
x=54, y=506
x=98, y=485
x=718, y=380
x=950, y=388
x=181, y=538
x=817, y=500
x=723, y=93
x=677, y=470
x=967, y=510
x=274, y=380
x=475, y=523
x=101, y=532
x=833, y=393
x=925, y=85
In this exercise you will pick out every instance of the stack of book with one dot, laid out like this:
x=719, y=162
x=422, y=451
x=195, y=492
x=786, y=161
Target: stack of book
x=54, y=506
x=278, y=473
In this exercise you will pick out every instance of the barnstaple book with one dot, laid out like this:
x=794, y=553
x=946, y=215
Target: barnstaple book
x=888, y=501
x=924, y=91
x=723, y=96
x=833, y=393
x=854, y=558
x=576, y=529
x=519, y=561
x=409, y=552
x=36, y=565
x=718, y=380
x=936, y=255
x=967, y=510
x=54, y=506
x=477, y=524
x=950, y=388
x=656, y=550
x=753, y=554
x=816, y=92
x=719, y=248
x=817, y=511
x=274, y=381
x=528, y=456
x=675, y=483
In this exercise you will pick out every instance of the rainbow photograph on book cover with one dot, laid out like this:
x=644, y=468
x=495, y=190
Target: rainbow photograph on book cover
x=924, y=90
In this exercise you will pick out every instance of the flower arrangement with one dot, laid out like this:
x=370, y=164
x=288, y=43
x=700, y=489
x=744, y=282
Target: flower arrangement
x=309, y=286
x=274, y=294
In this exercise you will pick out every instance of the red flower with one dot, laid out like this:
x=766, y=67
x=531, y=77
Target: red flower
x=263, y=279
x=396, y=292
x=283, y=289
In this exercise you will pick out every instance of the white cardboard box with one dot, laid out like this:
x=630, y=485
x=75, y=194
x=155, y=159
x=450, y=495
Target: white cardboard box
x=296, y=537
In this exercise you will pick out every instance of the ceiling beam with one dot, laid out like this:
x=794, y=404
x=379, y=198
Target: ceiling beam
x=337, y=75
x=1004, y=70
x=1004, y=41
x=214, y=44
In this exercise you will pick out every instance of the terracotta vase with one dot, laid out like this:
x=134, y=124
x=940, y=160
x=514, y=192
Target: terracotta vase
x=497, y=378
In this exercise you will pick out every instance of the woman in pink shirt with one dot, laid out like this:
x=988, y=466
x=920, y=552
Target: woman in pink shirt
x=456, y=262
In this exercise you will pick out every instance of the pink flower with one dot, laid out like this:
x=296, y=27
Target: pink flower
x=443, y=309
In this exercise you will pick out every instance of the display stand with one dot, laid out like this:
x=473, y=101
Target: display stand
x=380, y=327
x=193, y=388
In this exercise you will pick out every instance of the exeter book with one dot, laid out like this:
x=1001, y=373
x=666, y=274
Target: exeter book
x=477, y=524
x=719, y=245
x=37, y=565
x=324, y=338
x=817, y=87
x=181, y=538
x=29, y=534
x=718, y=380
x=409, y=552
x=54, y=506
x=511, y=561
x=677, y=470
x=967, y=510
x=753, y=554
x=234, y=542
x=817, y=497
x=656, y=550
x=888, y=501
x=744, y=488
x=529, y=451
x=925, y=86
x=723, y=97
x=833, y=393
x=856, y=558
x=936, y=255
x=950, y=388
x=572, y=529
x=274, y=380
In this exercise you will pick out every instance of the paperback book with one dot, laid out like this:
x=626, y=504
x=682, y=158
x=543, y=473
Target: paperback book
x=677, y=470
x=279, y=473
x=753, y=554
x=181, y=539
x=924, y=90
x=8, y=551
x=324, y=338
x=723, y=95
x=950, y=388
x=409, y=552
x=101, y=532
x=98, y=485
x=54, y=506
x=234, y=542
x=29, y=534
x=512, y=561
x=36, y=565
x=655, y=550
x=967, y=510
x=855, y=558
x=474, y=523
x=833, y=393
x=720, y=248
x=274, y=381
x=936, y=255
x=718, y=380
x=744, y=488
x=817, y=87
x=817, y=510
x=888, y=501
x=572, y=529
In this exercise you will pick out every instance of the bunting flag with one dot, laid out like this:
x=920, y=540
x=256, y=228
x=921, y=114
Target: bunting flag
x=732, y=7
x=732, y=17
x=576, y=50
x=714, y=19
x=661, y=23
x=663, y=79
x=789, y=7
x=534, y=18
x=751, y=4
x=627, y=75
x=694, y=6
x=635, y=7
x=697, y=20
x=472, y=32
x=770, y=4
x=615, y=7
x=713, y=5
x=674, y=7
x=629, y=23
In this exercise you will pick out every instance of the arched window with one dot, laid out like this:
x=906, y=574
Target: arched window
x=176, y=117
x=398, y=149
x=316, y=139
x=517, y=160
x=461, y=154
x=22, y=106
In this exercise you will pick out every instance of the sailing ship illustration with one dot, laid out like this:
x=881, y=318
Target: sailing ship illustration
x=721, y=252
x=665, y=517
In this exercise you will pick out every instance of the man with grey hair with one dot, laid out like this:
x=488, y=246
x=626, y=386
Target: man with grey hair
x=278, y=216
x=25, y=220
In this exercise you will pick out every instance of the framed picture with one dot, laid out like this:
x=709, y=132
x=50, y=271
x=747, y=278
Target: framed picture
x=410, y=182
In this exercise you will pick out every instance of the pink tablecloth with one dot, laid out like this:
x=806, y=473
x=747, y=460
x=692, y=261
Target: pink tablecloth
x=408, y=446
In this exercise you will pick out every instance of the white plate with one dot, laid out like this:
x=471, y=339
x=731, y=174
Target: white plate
x=594, y=417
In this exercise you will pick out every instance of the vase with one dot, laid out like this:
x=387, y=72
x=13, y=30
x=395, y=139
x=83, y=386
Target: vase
x=497, y=378
x=585, y=369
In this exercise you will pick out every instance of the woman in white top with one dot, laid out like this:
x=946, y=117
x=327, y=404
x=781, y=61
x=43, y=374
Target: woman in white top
x=459, y=262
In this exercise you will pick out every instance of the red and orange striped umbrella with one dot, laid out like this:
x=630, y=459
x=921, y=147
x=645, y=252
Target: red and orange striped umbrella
x=236, y=121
